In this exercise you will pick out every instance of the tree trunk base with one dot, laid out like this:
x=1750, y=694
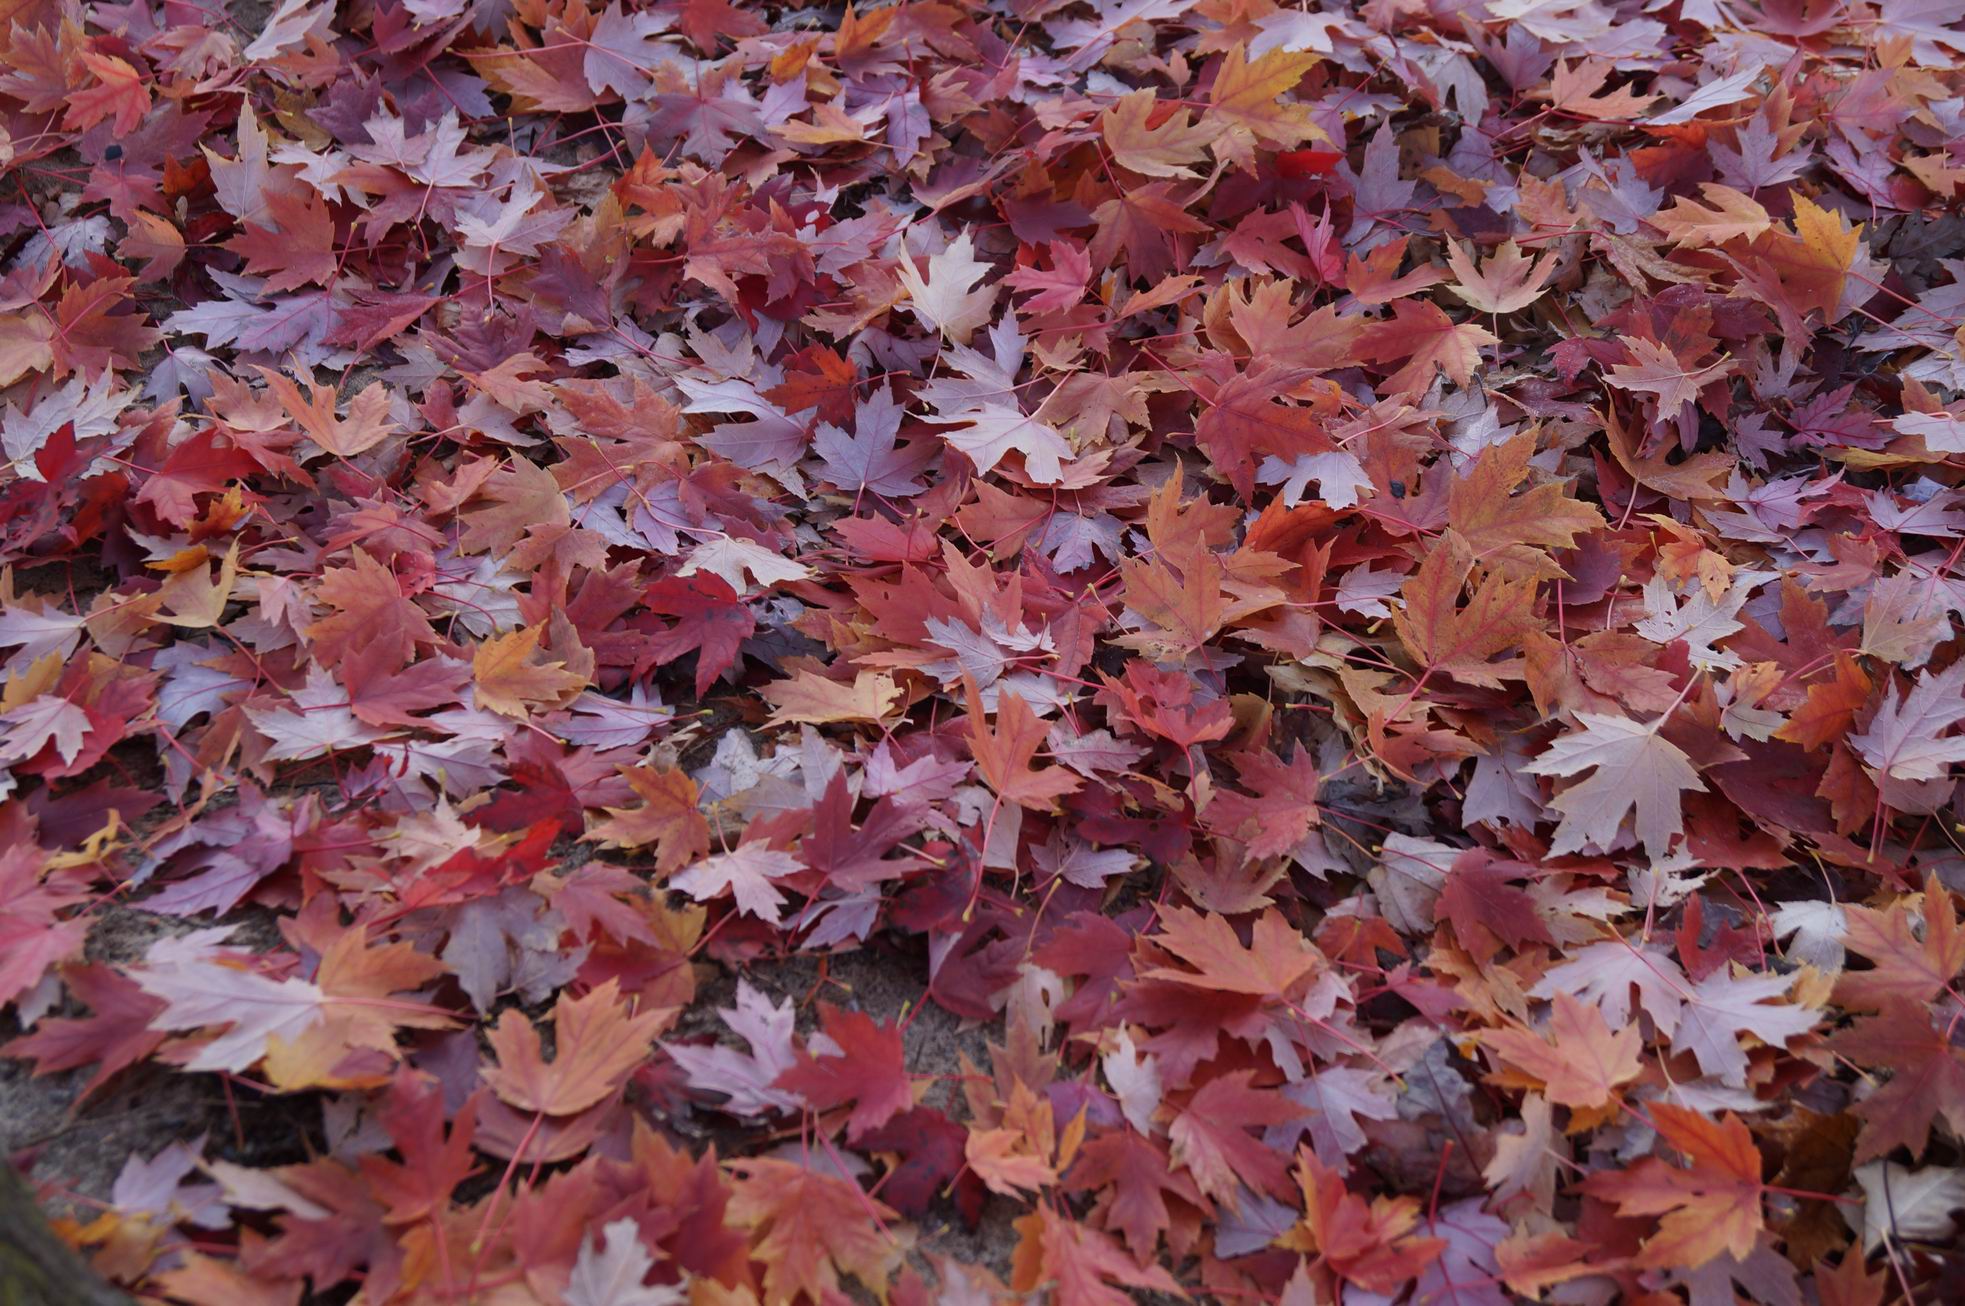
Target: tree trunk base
x=36, y=1267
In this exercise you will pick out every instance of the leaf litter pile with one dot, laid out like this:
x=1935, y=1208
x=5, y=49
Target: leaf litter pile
x=1367, y=599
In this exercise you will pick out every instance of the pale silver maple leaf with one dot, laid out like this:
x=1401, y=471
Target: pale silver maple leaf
x=1337, y=1097
x=91, y=407
x=1077, y=862
x=946, y=298
x=1900, y=1204
x=1339, y=476
x=1701, y=621
x=200, y=992
x=986, y=402
x=746, y=874
x=1720, y=1008
x=609, y=1272
x=746, y=1078
x=1942, y=432
x=995, y=429
x=37, y=633
x=322, y=723
x=290, y=24
x=1605, y=974
x=35, y=723
x=731, y=558
x=1634, y=768
x=1902, y=740
x=626, y=49
x=985, y=654
x=1135, y=1079
x=1408, y=878
x=1818, y=929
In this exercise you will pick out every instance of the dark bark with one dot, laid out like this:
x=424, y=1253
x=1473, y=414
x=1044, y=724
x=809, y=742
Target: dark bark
x=37, y=1268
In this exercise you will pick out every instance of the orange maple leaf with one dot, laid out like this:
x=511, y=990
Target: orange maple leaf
x=810, y=1228
x=1907, y=968
x=597, y=1043
x=118, y=91
x=1710, y=1209
x=1581, y=1061
x=668, y=818
x=1506, y=282
x=1164, y=149
x=511, y=679
x=1277, y=957
x=1830, y=708
x=1510, y=530
x=1370, y=1245
x=1003, y=754
x=1081, y=1262
x=1443, y=636
x=1245, y=103
x=1423, y=335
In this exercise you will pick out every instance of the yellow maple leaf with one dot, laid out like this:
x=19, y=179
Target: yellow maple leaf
x=510, y=679
x=811, y=699
x=1246, y=106
x=1160, y=151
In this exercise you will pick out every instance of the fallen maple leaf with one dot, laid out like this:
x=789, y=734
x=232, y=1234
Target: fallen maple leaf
x=1635, y=768
x=668, y=818
x=512, y=679
x=1506, y=283
x=1003, y=754
x=810, y=1229
x=613, y=1274
x=861, y=1063
x=597, y=1042
x=946, y=299
x=746, y=874
x=1710, y=1209
x=1168, y=149
x=1903, y=742
x=1582, y=1063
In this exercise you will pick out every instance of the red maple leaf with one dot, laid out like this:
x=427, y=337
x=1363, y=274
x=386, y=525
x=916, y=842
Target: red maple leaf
x=712, y=622
x=863, y=1065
